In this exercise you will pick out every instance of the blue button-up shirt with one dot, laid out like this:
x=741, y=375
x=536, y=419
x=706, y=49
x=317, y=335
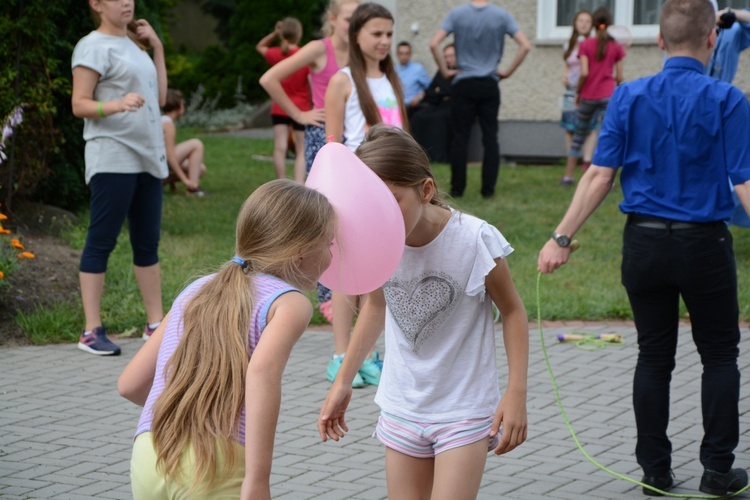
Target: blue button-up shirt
x=677, y=135
x=414, y=79
x=725, y=59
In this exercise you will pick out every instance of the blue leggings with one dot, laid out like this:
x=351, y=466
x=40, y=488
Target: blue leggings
x=114, y=197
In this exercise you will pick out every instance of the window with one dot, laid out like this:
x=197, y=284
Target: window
x=554, y=17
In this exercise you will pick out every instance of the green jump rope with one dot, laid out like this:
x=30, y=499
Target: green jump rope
x=585, y=343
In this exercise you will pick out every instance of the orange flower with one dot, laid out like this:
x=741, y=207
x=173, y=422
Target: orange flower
x=17, y=244
x=26, y=255
x=4, y=231
x=3, y=217
x=2, y=276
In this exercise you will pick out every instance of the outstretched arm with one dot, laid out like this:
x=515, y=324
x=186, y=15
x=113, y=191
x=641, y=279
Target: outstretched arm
x=592, y=189
x=511, y=411
x=524, y=47
x=370, y=322
x=137, y=378
x=288, y=317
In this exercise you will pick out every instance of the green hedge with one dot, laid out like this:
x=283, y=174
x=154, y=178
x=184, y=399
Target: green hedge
x=38, y=37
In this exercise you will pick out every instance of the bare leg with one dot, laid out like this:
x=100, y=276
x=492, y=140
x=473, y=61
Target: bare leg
x=299, y=156
x=92, y=288
x=280, y=145
x=589, y=146
x=343, y=308
x=458, y=472
x=190, y=154
x=149, y=281
x=570, y=167
x=408, y=478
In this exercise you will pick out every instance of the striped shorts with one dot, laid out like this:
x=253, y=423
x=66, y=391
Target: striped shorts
x=424, y=440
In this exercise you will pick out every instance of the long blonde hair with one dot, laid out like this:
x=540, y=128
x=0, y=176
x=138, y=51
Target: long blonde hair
x=362, y=14
x=205, y=377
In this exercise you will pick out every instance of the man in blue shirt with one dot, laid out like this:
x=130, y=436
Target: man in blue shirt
x=413, y=76
x=678, y=136
x=479, y=31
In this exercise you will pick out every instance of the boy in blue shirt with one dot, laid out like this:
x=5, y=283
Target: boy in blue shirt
x=678, y=136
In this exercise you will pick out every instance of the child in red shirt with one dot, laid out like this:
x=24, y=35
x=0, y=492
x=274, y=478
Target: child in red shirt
x=289, y=31
x=599, y=56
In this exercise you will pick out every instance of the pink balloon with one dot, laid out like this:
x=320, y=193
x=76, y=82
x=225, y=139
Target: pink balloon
x=370, y=237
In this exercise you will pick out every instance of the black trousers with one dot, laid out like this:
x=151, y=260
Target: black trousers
x=475, y=98
x=660, y=265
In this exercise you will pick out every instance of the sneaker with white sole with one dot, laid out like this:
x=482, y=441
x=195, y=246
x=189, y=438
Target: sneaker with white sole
x=97, y=342
x=148, y=331
x=333, y=369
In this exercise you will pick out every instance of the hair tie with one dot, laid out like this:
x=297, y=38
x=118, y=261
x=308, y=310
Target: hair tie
x=602, y=26
x=239, y=261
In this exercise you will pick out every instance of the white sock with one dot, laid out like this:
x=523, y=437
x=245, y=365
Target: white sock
x=155, y=325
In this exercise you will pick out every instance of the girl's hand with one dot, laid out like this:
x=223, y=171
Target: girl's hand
x=315, y=117
x=331, y=423
x=131, y=102
x=511, y=416
x=145, y=33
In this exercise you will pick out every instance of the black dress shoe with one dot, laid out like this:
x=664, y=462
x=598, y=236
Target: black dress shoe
x=663, y=483
x=718, y=483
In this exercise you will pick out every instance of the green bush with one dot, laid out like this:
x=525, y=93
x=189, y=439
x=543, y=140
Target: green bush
x=36, y=47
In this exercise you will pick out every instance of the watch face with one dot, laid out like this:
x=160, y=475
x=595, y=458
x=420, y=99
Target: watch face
x=561, y=239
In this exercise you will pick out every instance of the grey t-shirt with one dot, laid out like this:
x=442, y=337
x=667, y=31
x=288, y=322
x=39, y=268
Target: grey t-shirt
x=127, y=142
x=479, y=38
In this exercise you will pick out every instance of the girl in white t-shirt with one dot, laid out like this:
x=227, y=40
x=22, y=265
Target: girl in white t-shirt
x=442, y=409
x=359, y=96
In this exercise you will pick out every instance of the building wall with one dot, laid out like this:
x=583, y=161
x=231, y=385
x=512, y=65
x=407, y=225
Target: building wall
x=533, y=92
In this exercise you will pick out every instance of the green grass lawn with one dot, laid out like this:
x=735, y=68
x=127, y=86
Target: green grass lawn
x=198, y=236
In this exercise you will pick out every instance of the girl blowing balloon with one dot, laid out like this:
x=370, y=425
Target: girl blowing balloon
x=210, y=376
x=440, y=372
x=359, y=96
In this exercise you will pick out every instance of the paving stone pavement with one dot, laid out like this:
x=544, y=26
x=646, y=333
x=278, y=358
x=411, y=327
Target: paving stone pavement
x=65, y=433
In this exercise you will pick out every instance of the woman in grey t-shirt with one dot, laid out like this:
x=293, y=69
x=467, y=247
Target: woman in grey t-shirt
x=117, y=90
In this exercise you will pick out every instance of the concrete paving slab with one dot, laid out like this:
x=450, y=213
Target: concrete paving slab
x=66, y=433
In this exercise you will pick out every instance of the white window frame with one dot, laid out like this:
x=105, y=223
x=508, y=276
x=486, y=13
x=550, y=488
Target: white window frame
x=548, y=33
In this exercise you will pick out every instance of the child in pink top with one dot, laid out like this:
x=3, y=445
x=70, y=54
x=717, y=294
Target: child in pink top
x=599, y=56
x=289, y=32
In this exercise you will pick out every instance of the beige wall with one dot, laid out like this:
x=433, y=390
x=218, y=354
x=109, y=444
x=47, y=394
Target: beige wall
x=533, y=92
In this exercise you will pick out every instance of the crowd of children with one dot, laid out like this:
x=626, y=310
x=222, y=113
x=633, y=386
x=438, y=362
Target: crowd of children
x=209, y=377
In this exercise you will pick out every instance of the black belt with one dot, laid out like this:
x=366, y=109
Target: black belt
x=659, y=223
